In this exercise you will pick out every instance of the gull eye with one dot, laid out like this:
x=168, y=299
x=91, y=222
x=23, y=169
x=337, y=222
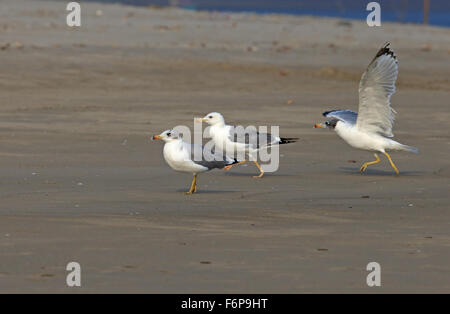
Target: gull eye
x=168, y=134
x=327, y=123
x=210, y=117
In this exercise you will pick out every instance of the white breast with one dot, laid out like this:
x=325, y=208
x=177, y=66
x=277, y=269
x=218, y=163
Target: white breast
x=355, y=138
x=221, y=138
x=179, y=158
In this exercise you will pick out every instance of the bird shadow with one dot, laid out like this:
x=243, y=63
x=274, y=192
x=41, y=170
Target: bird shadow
x=241, y=174
x=207, y=191
x=380, y=173
x=251, y=175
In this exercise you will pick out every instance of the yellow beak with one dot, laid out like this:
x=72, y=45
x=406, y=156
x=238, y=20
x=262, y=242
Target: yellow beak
x=318, y=126
x=156, y=137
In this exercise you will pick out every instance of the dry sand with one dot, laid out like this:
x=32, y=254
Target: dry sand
x=80, y=180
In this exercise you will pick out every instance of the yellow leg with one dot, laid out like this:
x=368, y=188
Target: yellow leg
x=237, y=164
x=193, y=186
x=261, y=172
x=392, y=163
x=364, y=166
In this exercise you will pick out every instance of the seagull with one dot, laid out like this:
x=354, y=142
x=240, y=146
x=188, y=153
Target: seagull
x=179, y=156
x=229, y=139
x=371, y=128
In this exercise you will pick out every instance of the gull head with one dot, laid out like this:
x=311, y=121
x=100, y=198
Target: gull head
x=213, y=118
x=330, y=124
x=167, y=136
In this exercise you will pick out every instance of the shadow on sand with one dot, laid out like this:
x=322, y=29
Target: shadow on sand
x=202, y=191
x=251, y=175
x=381, y=173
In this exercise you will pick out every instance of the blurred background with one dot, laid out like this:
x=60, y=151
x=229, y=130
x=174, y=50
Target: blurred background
x=434, y=12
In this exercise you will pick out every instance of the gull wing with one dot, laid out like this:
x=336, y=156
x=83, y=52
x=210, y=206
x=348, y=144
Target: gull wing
x=376, y=87
x=346, y=116
x=250, y=137
x=209, y=158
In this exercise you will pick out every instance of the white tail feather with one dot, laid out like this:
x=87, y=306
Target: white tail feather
x=407, y=148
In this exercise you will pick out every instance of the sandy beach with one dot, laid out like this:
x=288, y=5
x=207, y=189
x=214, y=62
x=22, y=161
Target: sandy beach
x=81, y=181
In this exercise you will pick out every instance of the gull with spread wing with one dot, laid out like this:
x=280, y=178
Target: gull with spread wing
x=371, y=128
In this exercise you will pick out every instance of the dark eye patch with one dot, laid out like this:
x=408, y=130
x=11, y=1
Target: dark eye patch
x=332, y=123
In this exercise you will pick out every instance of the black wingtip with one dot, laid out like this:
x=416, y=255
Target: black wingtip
x=386, y=50
x=326, y=113
x=287, y=140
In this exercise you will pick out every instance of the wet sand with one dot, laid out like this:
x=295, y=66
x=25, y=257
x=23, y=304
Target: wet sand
x=81, y=181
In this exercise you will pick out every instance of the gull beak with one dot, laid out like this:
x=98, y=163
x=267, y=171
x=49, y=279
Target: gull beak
x=156, y=137
x=318, y=126
x=199, y=120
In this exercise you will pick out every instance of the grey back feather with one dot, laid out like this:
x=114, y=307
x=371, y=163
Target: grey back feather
x=347, y=116
x=252, y=138
x=208, y=158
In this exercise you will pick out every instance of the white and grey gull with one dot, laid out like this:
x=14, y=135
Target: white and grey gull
x=179, y=155
x=239, y=141
x=371, y=128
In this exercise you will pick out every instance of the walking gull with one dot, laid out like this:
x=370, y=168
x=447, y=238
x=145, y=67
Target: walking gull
x=233, y=140
x=179, y=155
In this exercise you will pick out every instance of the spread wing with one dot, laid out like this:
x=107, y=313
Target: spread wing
x=376, y=87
